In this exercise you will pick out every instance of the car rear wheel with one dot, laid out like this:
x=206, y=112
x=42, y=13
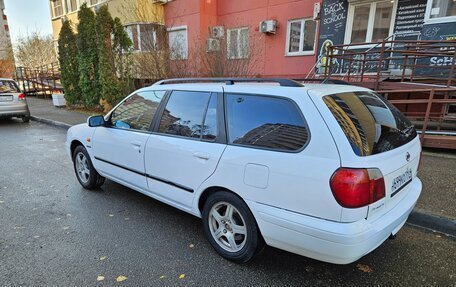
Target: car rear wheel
x=231, y=228
x=26, y=119
x=86, y=174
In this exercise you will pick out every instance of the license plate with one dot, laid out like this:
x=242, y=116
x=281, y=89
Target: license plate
x=401, y=181
x=6, y=98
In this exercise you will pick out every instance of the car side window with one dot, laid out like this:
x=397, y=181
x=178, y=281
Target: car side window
x=137, y=111
x=265, y=122
x=210, y=130
x=184, y=113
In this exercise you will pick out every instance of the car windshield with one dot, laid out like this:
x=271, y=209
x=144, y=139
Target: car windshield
x=370, y=123
x=8, y=87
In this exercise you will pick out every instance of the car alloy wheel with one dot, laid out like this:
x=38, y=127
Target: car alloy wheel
x=82, y=167
x=227, y=227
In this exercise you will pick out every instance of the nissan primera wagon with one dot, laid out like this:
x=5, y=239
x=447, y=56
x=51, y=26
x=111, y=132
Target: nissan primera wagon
x=324, y=171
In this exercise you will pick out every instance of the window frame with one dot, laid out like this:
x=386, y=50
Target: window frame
x=175, y=29
x=67, y=2
x=301, y=38
x=370, y=23
x=226, y=119
x=139, y=38
x=237, y=55
x=54, y=16
x=108, y=116
x=221, y=132
x=429, y=20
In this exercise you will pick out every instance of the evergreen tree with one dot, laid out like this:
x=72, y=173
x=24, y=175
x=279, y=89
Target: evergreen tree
x=123, y=60
x=69, y=67
x=109, y=83
x=88, y=57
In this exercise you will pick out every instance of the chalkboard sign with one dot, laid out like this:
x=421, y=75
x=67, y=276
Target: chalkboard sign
x=409, y=19
x=440, y=31
x=333, y=20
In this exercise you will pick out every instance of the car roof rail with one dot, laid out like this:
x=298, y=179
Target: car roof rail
x=231, y=81
x=324, y=81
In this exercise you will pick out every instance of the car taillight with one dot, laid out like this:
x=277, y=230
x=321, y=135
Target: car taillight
x=357, y=187
x=21, y=97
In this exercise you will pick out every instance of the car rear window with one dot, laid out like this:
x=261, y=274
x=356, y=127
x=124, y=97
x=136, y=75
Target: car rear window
x=370, y=123
x=8, y=87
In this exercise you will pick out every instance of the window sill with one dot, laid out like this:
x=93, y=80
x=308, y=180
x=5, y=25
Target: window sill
x=439, y=20
x=299, y=54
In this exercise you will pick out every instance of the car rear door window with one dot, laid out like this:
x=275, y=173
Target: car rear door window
x=8, y=87
x=370, y=123
x=184, y=113
x=265, y=122
x=137, y=111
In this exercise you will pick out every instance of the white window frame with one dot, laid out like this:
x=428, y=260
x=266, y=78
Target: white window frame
x=429, y=20
x=138, y=33
x=179, y=28
x=301, y=38
x=68, y=9
x=228, y=41
x=53, y=9
x=370, y=23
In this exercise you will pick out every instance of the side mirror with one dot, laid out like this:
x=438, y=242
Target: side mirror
x=96, y=121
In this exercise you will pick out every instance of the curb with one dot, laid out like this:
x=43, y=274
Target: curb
x=51, y=122
x=416, y=218
x=432, y=222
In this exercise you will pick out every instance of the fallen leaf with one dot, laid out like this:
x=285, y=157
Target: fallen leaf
x=100, y=278
x=365, y=268
x=111, y=215
x=103, y=257
x=438, y=236
x=127, y=218
x=163, y=277
x=36, y=236
x=66, y=227
x=182, y=276
x=1, y=201
x=191, y=246
x=121, y=278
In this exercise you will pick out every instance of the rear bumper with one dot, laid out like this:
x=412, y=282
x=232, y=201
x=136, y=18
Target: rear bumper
x=13, y=110
x=330, y=241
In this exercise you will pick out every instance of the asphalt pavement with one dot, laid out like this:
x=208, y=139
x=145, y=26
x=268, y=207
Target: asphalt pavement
x=55, y=233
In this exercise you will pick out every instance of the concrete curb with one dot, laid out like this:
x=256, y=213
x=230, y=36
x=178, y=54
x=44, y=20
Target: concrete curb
x=432, y=222
x=417, y=217
x=51, y=122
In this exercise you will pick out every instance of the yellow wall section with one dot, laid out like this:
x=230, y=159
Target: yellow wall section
x=128, y=11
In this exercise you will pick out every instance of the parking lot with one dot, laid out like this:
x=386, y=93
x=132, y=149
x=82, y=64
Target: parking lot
x=54, y=233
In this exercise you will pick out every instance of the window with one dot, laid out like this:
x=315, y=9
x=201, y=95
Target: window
x=57, y=8
x=137, y=111
x=442, y=8
x=301, y=37
x=8, y=87
x=371, y=124
x=184, y=113
x=178, y=43
x=238, y=43
x=71, y=5
x=145, y=37
x=94, y=2
x=370, y=22
x=210, y=130
x=265, y=122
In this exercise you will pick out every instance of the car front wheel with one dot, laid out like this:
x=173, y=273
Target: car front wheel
x=86, y=174
x=231, y=228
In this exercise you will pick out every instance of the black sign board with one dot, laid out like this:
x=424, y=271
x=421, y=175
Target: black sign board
x=409, y=19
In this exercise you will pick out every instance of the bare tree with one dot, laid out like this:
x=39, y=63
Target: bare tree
x=35, y=50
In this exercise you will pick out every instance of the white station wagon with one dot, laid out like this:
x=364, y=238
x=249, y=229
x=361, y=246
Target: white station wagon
x=325, y=171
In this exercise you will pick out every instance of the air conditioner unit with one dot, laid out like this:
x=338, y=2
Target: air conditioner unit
x=160, y=2
x=268, y=26
x=217, y=32
x=213, y=45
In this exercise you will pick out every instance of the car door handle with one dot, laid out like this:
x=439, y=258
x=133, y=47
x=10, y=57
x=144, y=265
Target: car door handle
x=202, y=155
x=136, y=144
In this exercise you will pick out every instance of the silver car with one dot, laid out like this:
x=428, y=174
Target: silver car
x=12, y=101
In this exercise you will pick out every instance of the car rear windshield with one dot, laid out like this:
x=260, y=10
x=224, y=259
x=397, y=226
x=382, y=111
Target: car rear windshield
x=370, y=123
x=8, y=87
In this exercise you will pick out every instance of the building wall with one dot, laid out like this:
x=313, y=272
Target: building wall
x=268, y=50
x=128, y=11
x=6, y=56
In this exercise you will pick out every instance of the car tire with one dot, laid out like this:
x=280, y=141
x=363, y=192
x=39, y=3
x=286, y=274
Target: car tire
x=86, y=174
x=230, y=227
x=26, y=119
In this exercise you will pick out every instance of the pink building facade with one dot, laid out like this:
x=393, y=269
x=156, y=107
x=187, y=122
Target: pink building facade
x=286, y=46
